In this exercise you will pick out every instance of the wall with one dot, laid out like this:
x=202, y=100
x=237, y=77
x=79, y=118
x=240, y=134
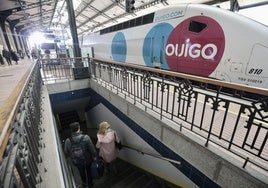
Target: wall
x=197, y=160
x=201, y=166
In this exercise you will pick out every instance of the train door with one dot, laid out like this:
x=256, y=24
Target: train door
x=157, y=51
x=154, y=46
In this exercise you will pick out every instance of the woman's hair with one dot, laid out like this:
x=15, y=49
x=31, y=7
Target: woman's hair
x=103, y=127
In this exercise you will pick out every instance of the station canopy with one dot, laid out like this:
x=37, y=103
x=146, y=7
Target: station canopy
x=28, y=16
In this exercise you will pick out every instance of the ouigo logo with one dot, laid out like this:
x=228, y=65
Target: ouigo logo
x=195, y=46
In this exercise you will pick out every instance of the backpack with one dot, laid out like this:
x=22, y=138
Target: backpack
x=79, y=153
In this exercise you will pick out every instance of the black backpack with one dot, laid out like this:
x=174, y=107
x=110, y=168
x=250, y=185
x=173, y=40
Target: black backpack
x=79, y=153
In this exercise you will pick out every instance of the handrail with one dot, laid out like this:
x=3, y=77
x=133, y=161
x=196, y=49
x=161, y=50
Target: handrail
x=260, y=91
x=195, y=103
x=68, y=175
x=22, y=151
x=15, y=106
x=152, y=155
x=187, y=101
x=246, y=88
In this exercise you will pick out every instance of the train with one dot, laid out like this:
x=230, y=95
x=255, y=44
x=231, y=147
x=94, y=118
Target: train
x=195, y=39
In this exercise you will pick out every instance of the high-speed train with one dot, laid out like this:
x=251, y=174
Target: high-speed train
x=190, y=38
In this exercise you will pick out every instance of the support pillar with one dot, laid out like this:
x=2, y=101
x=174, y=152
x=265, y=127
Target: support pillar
x=76, y=48
x=3, y=16
x=12, y=28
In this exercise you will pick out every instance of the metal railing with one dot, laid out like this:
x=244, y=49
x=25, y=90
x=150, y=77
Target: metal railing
x=23, y=155
x=63, y=69
x=152, y=155
x=231, y=116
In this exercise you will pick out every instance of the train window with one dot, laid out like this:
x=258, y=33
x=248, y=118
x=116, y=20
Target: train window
x=103, y=31
x=106, y=30
x=138, y=21
x=196, y=27
x=148, y=18
x=125, y=24
x=132, y=23
x=120, y=26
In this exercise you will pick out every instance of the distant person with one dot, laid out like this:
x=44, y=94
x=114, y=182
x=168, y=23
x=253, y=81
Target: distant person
x=34, y=53
x=47, y=52
x=14, y=56
x=28, y=54
x=39, y=53
x=7, y=56
x=106, y=144
x=82, y=152
x=1, y=60
x=20, y=52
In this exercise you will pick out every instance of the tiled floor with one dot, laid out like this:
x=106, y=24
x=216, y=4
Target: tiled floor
x=10, y=76
x=12, y=80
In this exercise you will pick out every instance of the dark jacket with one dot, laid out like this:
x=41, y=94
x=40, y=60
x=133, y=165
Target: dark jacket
x=86, y=141
x=14, y=56
x=6, y=53
x=1, y=59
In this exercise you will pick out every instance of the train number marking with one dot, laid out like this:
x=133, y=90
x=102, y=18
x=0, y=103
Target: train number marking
x=255, y=71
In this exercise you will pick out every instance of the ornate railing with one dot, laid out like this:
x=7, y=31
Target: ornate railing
x=63, y=69
x=21, y=162
x=22, y=157
x=232, y=116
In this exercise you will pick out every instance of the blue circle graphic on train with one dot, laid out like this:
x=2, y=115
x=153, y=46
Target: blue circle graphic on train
x=119, y=47
x=154, y=46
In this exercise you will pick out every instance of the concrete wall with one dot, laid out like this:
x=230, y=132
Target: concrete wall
x=217, y=164
x=49, y=153
x=226, y=170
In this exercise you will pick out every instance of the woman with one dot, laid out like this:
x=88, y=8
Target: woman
x=14, y=56
x=106, y=144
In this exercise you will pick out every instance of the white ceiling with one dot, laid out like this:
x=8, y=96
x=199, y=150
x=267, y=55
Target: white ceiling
x=90, y=15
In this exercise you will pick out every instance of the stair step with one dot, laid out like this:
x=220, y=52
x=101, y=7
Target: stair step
x=127, y=179
x=152, y=184
x=68, y=117
x=129, y=176
x=139, y=182
x=108, y=180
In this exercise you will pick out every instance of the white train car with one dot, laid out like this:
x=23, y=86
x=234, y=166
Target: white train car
x=190, y=38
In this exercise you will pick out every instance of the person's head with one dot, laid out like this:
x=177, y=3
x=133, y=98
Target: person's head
x=75, y=127
x=103, y=126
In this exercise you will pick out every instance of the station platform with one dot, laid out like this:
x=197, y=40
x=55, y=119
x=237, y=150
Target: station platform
x=12, y=80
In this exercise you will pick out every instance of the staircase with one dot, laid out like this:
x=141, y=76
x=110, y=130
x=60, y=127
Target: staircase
x=68, y=117
x=129, y=176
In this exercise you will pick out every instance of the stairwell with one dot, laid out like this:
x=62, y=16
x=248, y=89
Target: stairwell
x=126, y=175
x=129, y=176
x=68, y=117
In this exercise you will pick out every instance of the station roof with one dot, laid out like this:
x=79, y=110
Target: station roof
x=28, y=16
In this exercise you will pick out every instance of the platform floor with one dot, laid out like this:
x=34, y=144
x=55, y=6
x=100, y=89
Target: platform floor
x=12, y=80
x=10, y=76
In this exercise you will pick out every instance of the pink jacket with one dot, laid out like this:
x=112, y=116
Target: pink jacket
x=105, y=143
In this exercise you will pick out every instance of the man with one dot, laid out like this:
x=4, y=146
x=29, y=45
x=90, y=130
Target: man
x=1, y=60
x=82, y=151
x=7, y=56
